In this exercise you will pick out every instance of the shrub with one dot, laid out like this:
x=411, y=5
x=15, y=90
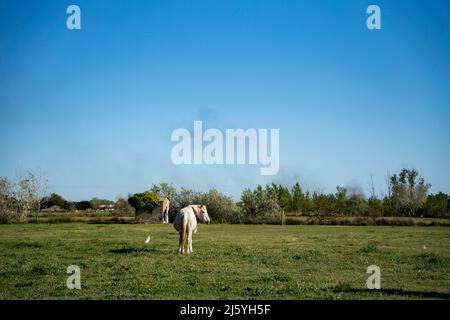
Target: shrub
x=437, y=205
x=53, y=200
x=144, y=200
x=186, y=197
x=8, y=203
x=409, y=191
x=83, y=205
x=259, y=206
x=221, y=208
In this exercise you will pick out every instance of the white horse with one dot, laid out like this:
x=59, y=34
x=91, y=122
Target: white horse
x=165, y=209
x=186, y=223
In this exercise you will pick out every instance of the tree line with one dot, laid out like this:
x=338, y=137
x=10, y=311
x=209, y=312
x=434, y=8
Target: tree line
x=407, y=196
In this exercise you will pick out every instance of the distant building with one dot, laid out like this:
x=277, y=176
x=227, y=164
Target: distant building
x=106, y=207
x=53, y=208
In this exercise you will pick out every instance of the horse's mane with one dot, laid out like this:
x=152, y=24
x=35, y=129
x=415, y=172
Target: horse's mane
x=195, y=208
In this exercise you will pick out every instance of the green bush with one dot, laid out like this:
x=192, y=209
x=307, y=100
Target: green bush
x=144, y=200
x=437, y=205
x=83, y=205
x=220, y=207
x=260, y=206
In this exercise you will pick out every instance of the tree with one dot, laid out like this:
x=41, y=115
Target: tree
x=69, y=205
x=32, y=188
x=409, y=191
x=186, y=197
x=249, y=203
x=164, y=190
x=259, y=205
x=8, y=202
x=283, y=197
x=323, y=204
x=145, y=200
x=301, y=201
x=356, y=205
x=375, y=207
x=83, y=205
x=122, y=205
x=220, y=207
x=53, y=200
x=342, y=204
x=437, y=205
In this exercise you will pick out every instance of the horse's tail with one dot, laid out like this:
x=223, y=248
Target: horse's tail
x=184, y=229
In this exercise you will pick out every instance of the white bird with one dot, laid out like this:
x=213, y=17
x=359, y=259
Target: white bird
x=424, y=247
x=148, y=240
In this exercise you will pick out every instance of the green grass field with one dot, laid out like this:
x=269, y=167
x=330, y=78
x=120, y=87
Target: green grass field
x=229, y=262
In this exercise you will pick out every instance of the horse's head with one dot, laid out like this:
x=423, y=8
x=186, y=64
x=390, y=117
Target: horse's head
x=203, y=214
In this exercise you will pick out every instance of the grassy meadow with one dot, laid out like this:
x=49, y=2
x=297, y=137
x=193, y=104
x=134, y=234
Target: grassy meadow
x=229, y=262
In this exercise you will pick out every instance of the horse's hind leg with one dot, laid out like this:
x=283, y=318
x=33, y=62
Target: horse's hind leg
x=180, y=244
x=190, y=242
x=167, y=215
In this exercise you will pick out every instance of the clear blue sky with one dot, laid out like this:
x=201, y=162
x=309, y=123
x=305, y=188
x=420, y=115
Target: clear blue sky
x=94, y=108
